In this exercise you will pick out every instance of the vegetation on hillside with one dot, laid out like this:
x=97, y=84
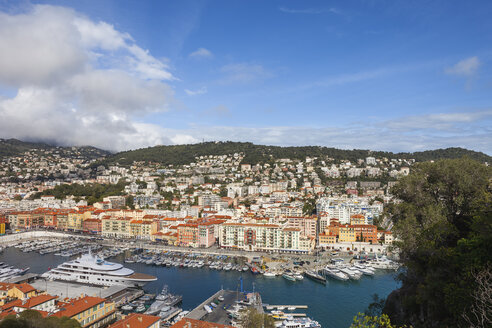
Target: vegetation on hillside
x=185, y=154
x=444, y=223
x=252, y=318
x=362, y=320
x=14, y=147
x=93, y=192
x=33, y=319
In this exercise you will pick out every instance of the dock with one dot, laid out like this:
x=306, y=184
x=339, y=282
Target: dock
x=272, y=307
x=287, y=315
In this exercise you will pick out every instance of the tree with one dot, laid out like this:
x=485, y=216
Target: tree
x=251, y=318
x=34, y=319
x=444, y=225
x=366, y=321
x=479, y=314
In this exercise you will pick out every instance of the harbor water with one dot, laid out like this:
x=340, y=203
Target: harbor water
x=333, y=305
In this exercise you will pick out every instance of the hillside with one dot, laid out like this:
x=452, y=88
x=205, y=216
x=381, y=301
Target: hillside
x=14, y=147
x=184, y=154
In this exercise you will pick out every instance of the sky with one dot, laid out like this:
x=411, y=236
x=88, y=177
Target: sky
x=381, y=75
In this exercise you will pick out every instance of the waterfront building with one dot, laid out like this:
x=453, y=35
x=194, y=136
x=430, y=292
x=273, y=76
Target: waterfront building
x=262, y=237
x=140, y=229
x=92, y=226
x=118, y=227
x=199, y=234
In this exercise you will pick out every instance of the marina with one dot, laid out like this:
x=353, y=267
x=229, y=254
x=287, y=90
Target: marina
x=332, y=304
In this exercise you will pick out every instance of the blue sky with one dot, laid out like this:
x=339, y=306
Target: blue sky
x=383, y=75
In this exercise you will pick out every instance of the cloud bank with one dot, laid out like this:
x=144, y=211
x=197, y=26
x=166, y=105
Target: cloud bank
x=78, y=82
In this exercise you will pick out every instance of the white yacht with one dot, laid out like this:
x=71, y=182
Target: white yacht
x=335, y=273
x=90, y=269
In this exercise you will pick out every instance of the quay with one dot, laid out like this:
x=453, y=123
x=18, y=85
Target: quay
x=229, y=305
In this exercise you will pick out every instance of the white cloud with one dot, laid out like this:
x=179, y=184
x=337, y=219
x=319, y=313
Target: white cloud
x=78, y=81
x=466, y=129
x=201, y=53
x=31, y=54
x=466, y=67
x=201, y=91
x=243, y=73
x=438, y=122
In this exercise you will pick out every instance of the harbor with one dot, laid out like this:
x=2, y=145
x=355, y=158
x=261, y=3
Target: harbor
x=332, y=304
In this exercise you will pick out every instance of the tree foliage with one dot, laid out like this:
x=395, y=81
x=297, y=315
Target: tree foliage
x=362, y=320
x=34, y=319
x=444, y=223
x=185, y=154
x=94, y=192
x=251, y=318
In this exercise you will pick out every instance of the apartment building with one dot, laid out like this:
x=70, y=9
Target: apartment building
x=262, y=237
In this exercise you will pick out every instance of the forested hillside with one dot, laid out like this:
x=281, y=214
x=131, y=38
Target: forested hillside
x=14, y=147
x=184, y=154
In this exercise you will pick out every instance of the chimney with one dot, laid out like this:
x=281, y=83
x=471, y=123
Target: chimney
x=140, y=318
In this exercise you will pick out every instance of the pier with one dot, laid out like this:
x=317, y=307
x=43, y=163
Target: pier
x=295, y=307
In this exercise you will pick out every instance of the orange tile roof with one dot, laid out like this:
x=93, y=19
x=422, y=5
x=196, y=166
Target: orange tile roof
x=192, y=323
x=25, y=288
x=76, y=306
x=135, y=320
x=29, y=303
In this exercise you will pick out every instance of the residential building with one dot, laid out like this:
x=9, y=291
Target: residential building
x=93, y=312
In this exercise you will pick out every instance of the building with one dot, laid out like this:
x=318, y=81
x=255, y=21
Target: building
x=117, y=227
x=137, y=320
x=93, y=312
x=92, y=226
x=262, y=237
x=366, y=233
x=327, y=238
x=357, y=219
x=43, y=302
x=116, y=201
x=346, y=234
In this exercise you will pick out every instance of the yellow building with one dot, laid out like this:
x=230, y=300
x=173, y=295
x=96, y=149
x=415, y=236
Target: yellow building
x=357, y=219
x=89, y=311
x=327, y=238
x=76, y=218
x=115, y=227
x=22, y=291
x=141, y=229
x=346, y=234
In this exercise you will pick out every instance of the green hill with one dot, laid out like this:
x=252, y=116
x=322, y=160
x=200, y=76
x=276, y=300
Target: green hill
x=14, y=147
x=185, y=154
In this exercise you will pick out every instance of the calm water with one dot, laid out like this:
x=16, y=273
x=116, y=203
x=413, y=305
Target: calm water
x=333, y=305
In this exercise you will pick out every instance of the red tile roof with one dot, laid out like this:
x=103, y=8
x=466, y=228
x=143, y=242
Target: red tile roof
x=135, y=320
x=76, y=306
